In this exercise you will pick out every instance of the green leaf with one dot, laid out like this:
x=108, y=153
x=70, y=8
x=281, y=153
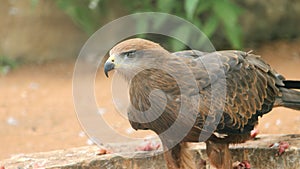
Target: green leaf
x=226, y=11
x=234, y=36
x=93, y=4
x=228, y=14
x=198, y=23
x=142, y=26
x=165, y=5
x=203, y=6
x=80, y=13
x=183, y=33
x=176, y=45
x=6, y=64
x=34, y=3
x=159, y=22
x=210, y=26
x=190, y=7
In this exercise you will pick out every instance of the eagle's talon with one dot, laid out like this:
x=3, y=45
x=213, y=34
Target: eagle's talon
x=254, y=133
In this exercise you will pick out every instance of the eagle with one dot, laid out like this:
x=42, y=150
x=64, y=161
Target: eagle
x=165, y=87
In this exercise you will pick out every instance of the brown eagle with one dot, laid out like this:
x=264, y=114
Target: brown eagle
x=165, y=87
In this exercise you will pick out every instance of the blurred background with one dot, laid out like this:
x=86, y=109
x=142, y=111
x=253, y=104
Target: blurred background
x=40, y=40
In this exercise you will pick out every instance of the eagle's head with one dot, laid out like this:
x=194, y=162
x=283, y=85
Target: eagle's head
x=132, y=56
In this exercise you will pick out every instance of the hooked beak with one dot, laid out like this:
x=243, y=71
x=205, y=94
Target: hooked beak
x=109, y=65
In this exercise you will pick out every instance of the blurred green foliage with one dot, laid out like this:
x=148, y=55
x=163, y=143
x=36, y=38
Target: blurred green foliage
x=85, y=13
x=210, y=16
x=6, y=64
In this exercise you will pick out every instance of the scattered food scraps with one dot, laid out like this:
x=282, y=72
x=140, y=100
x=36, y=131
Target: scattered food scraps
x=103, y=151
x=282, y=146
x=242, y=165
x=90, y=142
x=81, y=134
x=12, y=121
x=101, y=111
x=148, y=146
x=278, y=122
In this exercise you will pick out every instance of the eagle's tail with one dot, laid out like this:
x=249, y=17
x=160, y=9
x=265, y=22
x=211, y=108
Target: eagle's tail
x=291, y=84
x=290, y=97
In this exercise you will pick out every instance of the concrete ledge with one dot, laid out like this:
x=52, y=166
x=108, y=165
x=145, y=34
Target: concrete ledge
x=257, y=152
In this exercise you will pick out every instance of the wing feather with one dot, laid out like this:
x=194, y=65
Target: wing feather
x=251, y=83
x=250, y=91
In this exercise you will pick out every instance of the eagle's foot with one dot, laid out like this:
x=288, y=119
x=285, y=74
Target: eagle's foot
x=254, y=133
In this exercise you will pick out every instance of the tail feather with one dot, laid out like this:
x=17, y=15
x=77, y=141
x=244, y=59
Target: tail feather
x=291, y=84
x=290, y=98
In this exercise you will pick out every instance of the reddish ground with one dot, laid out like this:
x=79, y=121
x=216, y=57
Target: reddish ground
x=37, y=112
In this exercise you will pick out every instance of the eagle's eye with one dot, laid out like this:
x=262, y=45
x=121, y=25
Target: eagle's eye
x=129, y=54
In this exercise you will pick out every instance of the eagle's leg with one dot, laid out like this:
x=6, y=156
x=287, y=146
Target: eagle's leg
x=219, y=155
x=171, y=160
x=180, y=157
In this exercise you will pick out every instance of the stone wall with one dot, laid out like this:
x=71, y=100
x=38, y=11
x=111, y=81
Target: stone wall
x=269, y=19
x=258, y=152
x=37, y=33
x=265, y=20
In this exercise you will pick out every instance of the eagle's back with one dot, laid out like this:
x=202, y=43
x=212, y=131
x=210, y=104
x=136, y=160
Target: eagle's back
x=250, y=84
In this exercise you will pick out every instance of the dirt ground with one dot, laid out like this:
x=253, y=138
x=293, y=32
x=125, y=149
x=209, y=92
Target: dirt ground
x=37, y=111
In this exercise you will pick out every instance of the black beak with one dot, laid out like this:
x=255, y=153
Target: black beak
x=108, y=66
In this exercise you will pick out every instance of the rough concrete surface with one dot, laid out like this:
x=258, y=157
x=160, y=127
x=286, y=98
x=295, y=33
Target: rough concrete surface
x=258, y=152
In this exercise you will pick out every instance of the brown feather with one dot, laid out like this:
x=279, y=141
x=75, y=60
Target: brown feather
x=252, y=88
